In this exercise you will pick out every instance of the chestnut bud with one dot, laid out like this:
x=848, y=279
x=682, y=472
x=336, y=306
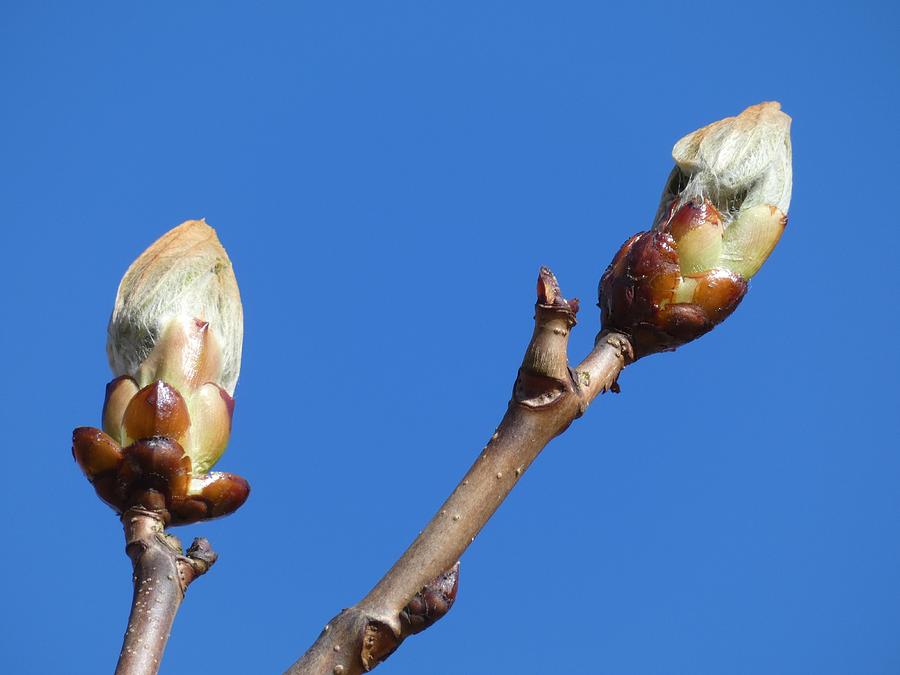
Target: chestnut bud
x=723, y=210
x=174, y=344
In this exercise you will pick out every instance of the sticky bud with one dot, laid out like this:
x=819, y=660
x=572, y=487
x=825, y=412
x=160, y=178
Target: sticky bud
x=174, y=344
x=722, y=212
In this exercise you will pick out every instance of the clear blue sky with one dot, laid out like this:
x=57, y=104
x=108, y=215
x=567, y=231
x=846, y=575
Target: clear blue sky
x=387, y=178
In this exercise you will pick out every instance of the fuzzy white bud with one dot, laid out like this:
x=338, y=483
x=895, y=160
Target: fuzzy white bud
x=748, y=155
x=177, y=309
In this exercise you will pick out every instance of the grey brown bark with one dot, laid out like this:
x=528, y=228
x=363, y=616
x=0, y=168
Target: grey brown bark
x=162, y=574
x=548, y=395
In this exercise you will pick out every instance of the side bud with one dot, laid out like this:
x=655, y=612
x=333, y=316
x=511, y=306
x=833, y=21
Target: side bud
x=432, y=602
x=722, y=212
x=425, y=608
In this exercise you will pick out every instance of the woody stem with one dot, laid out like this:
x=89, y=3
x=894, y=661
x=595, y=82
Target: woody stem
x=547, y=397
x=162, y=574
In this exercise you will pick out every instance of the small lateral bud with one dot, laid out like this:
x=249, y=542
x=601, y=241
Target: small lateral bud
x=427, y=606
x=432, y=602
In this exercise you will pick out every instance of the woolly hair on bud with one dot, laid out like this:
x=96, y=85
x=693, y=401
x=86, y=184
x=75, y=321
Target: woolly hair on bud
x=186, y=273
x=738, y=163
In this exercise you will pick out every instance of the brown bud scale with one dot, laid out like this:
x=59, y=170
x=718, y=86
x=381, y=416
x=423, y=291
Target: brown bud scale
x=432, y=602
x=157, y=410
x=646, y=294
x=427, y=606
x=155, y=474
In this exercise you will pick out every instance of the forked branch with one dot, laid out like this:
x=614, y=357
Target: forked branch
x=548, y=395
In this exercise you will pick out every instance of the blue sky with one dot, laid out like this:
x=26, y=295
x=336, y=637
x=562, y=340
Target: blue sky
x=387, y=178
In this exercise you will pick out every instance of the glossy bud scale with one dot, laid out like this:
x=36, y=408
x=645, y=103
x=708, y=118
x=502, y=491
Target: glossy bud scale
x=721, y=214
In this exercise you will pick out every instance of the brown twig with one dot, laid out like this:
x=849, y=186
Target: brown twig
x=162, y=574
x=548, y=395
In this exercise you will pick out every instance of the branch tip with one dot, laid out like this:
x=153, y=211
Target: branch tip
x=547, y=287
x=549, y=295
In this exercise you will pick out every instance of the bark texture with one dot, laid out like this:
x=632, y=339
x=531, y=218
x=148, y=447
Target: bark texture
x=162, y=574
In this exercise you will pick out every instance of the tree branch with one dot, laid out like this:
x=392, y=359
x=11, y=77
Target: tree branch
x=162, y=574
x=547, y=397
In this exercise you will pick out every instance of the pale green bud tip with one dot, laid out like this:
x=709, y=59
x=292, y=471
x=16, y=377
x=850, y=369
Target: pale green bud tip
x=740, y=166
x=178, y=314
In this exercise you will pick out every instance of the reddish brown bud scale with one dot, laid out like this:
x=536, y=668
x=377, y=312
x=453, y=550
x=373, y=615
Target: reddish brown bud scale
x=427, y=606
x=225, y=493
x=691, y=216
x=432, y=602
x=637, y=293
x=547, y=288
x=682, y=322
x=187, y=510
x=95, y=451
x=719, y=293
x=155, y=474
x=154, y=466
x=99, y=457
x=156, y=410
x=549, y=295
x=697, y=231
